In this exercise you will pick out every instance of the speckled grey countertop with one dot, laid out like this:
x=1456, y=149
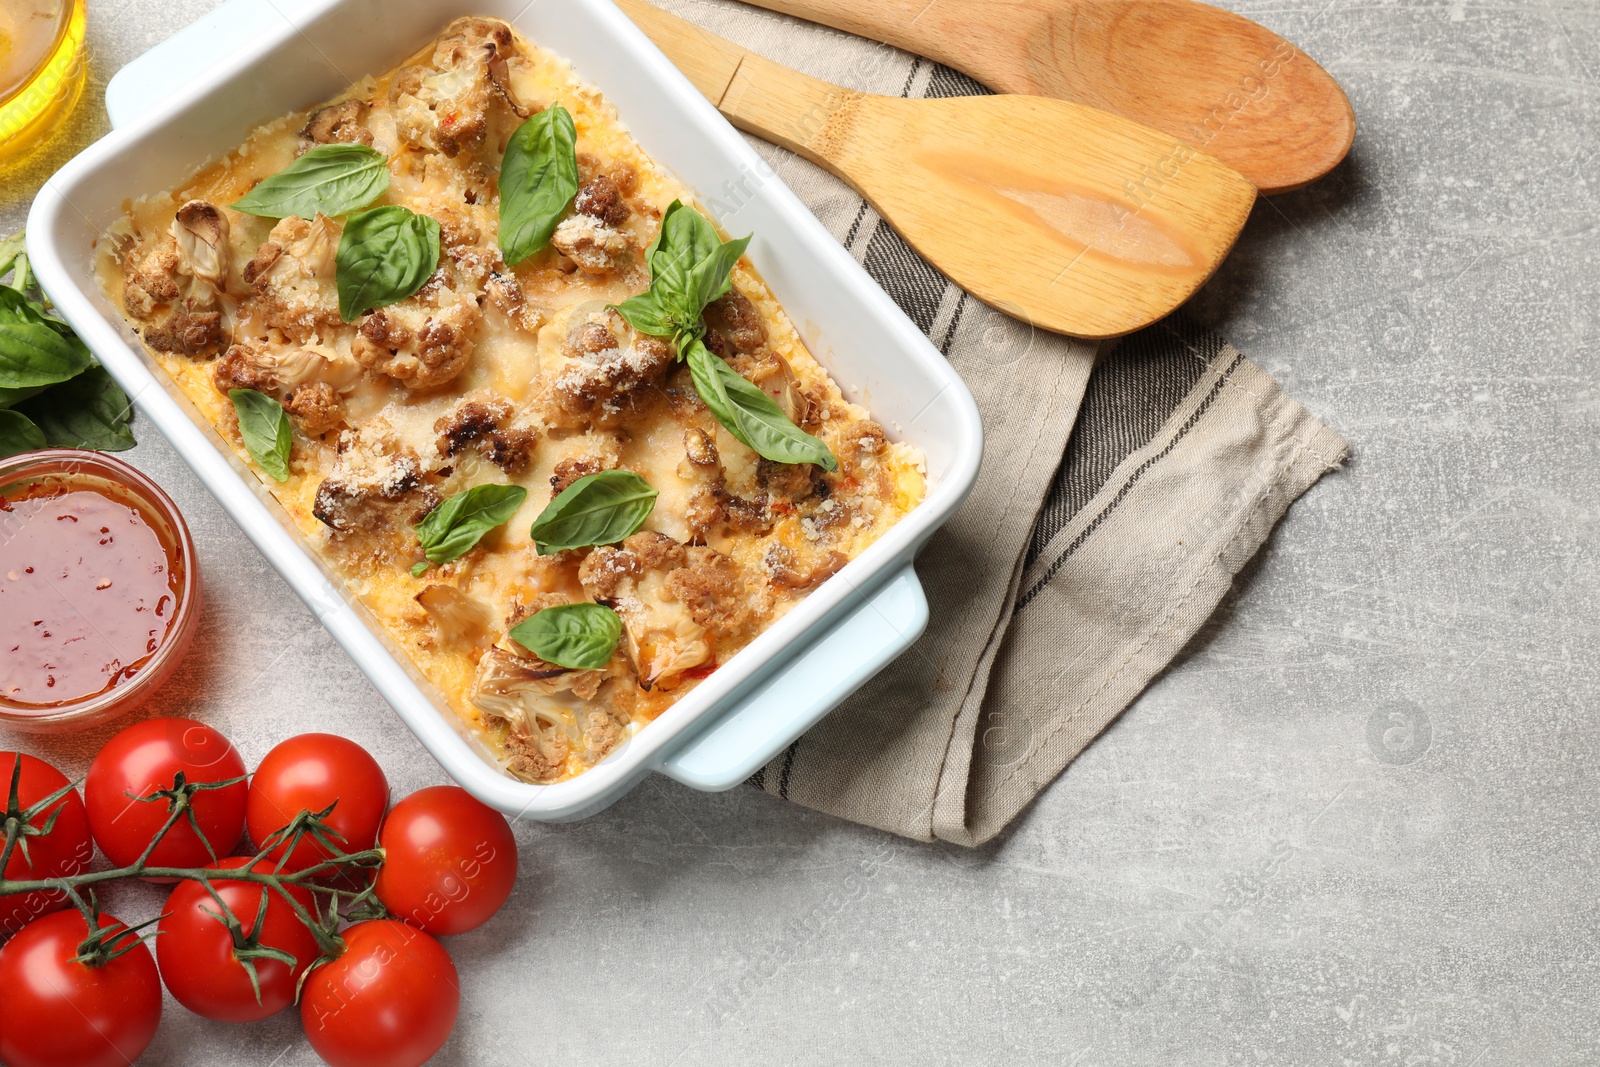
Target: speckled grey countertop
x=1355, y=824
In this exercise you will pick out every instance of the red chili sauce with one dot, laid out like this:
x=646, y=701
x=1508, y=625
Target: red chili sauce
x=88, y=590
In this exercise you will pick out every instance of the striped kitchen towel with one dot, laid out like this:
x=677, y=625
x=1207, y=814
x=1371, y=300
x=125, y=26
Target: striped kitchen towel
x=1117, y=499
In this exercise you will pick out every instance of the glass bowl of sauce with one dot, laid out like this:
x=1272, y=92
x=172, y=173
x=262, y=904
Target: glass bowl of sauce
x=99, y=593
x=41, y=69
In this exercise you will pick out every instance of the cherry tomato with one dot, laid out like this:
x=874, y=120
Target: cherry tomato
x=308, y=773
x=58, y=1013
x=390, y=1001
x=196, y=952
x=65, y=850
x=450, y=861
x=144, y=758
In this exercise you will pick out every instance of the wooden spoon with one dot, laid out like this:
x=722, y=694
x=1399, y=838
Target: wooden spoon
x=1070, y=218
x=1208, y=77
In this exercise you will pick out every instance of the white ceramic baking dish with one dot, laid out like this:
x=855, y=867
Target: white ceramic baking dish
x=200, y=93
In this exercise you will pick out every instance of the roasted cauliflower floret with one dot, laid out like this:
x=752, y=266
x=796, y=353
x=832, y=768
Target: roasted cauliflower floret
x=605, y=374
x=278, y=371
x=461, y=241
x=375, y=481
x=292, y=279
x=458, y=620
x=201, y=234
x=674, y=602
x=862, y=449
x=189, y=331
x=444, y=106
x=487, y=425
x=573, y=468
x=505, y=293
x=548, y=709
x=150, y=276
x=315, y=407
x=734, y=325
x=787, y=572
x=310, y=382
x=595, y=247
x=423, y=341
x=713, y=510
x=600, y=199
x=160, y=272
x=341, y=123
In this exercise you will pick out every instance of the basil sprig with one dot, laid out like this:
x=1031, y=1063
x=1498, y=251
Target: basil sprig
x=52, y=393
x=385, y=255
x=264, y=425
x=90, y=411
x=750, y=414
x=580, y=637
x=16, y=307
x=333, y=179
x=460, y=522
x=598, y=509
x=538, y=179
x=690, y=266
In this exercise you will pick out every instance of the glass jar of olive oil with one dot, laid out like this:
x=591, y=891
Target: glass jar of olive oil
x=41, y=70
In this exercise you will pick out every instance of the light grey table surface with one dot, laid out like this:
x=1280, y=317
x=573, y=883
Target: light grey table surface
x=1354, y=825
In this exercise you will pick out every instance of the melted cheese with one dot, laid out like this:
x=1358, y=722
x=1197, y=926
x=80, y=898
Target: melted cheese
x=692, y=608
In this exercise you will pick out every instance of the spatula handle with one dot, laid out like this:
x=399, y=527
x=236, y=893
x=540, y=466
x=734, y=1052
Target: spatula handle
x=757, y=95
x=781, y=105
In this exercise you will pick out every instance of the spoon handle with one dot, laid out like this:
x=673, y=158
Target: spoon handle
x=894, y=22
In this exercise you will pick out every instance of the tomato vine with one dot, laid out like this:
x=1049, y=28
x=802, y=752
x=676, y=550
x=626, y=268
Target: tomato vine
x=106, y=941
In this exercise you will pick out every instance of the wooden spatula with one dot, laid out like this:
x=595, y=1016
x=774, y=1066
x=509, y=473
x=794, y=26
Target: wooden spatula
x=1208, y=77
x=1070, y=218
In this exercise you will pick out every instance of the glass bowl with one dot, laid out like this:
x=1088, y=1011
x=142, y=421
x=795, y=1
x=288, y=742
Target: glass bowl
x=74, y=468
x=42, y=68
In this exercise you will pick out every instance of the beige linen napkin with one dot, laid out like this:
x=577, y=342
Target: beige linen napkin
x=1115, y=503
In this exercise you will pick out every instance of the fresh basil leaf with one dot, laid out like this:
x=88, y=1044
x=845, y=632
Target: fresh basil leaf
x=686, y=240
x=750, y=414
x=689, y=268
x=334, y=179
x=645, y=314
x=580, y=637
x=599, y=509
x=34, y=354
x=712, y=277
x=461, y=521
x=90, y=411
x=18, y=434
x=16, y=307
x=266, y=431
x=385, y=255
x=538, y=179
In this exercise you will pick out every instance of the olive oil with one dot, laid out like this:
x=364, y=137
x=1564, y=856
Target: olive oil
x=41, y=69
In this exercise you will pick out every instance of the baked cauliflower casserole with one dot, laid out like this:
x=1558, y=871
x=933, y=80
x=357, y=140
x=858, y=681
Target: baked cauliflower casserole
x=545, y=421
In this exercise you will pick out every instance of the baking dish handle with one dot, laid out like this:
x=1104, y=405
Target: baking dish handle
x=207, y=42
x=879, y=624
